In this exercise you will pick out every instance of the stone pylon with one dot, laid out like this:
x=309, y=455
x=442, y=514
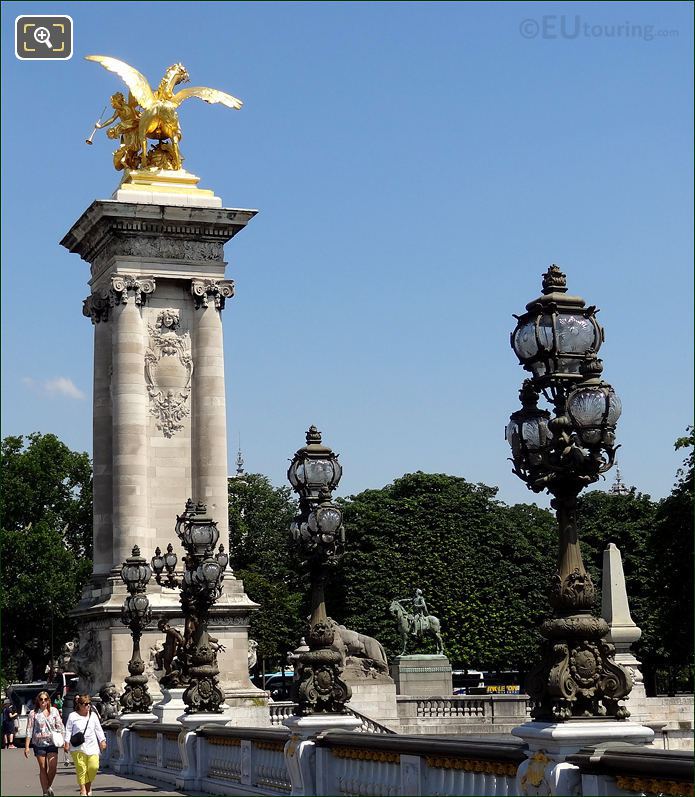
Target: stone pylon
x=158, y=290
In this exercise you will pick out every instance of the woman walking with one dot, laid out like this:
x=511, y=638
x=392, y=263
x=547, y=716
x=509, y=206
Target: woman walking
x=84, y=738
x=43, y=727
x=9, y=717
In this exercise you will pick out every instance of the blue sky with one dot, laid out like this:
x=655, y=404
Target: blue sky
x=417, y=167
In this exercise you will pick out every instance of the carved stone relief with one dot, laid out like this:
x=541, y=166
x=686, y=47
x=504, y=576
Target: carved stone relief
x=217, y=290
x=122, y=285
x=96, y=307
x=168, y=372
x=151, y=248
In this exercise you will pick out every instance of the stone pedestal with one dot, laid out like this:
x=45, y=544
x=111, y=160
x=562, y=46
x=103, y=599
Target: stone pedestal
x=420, y=675
x=124, y=765
x=170, y=707
x=373, y=694
x=300, y=749
x=546, y=770
x=157, y=293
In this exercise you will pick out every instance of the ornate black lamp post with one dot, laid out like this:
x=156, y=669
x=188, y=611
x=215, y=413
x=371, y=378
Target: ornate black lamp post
x=557, y=340
x=200, y=586
x=136, y=614
x=319, y=534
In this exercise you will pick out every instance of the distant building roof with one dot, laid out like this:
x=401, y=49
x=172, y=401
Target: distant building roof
x=618, y=487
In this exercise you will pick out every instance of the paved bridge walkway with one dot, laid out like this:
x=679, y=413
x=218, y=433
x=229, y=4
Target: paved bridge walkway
x=19, y=777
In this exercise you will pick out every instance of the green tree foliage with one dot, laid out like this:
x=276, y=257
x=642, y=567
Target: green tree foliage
x=484, y=567
x=41, y=582
x=263, y=557
x=44, y=481
x=45, y=545
x=628, y=522
x=671, y=559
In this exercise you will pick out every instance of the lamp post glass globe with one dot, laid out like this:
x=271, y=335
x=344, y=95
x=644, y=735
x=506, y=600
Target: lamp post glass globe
x=314, y=468
x=157, y=561
x=135, y=572
x=170, y=558
x=594, y=412
x=556, y=332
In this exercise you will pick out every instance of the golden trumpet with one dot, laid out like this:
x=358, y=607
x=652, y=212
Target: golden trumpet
x=96, y=127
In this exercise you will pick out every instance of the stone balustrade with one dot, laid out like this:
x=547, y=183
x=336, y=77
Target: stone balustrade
x=251, y=761
x=454, y=714
x=381, y=766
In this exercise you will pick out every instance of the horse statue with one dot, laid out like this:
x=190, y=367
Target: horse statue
x=157, y=118
x=411, y=626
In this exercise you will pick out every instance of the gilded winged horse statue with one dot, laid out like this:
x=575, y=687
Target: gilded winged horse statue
x=151, y=115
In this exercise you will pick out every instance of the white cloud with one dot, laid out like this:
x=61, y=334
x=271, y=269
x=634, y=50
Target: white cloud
x=60, y=386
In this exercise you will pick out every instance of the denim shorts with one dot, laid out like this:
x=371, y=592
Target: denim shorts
x=41, y=751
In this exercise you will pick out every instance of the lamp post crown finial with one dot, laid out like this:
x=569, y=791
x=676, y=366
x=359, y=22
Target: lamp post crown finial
x=313, y=435
x=136, y=551
x=554, y=280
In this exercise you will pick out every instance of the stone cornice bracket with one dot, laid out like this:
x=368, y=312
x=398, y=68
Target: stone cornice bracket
x=96, y=307
x=121, y=285
x=217, y=290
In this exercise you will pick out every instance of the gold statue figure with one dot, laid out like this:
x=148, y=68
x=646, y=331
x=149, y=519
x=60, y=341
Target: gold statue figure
x=151, y=115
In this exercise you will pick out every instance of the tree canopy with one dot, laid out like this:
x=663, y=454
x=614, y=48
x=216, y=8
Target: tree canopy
x=45, y=545
x=483, y=567
x=670, y=555
x=262, y=556
x=44, y=481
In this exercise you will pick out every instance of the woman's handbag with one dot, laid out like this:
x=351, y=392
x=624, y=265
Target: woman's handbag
x=77, y=738
x=57, y=737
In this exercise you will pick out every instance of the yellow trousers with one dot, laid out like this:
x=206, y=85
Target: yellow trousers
x=86, y=767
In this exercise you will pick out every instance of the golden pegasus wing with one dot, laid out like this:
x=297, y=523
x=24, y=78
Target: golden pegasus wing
x=137, y=83
x=207, y=95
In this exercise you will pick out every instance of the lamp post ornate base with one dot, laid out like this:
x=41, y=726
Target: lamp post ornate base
x=320, y=689
x=136, y=698
x=577, y=675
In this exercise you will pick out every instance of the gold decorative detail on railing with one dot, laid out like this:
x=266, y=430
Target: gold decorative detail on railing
x=146, y=734
x=472, y=765
x=171, y=735
x=278, y=747
x=223, y=741
x=653, y=786
x=360, y=754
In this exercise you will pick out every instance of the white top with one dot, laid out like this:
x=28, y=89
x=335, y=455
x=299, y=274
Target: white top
x=39, y=727
x=92, y=736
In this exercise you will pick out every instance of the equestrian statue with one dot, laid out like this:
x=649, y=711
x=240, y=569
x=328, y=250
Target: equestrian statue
x=418, y=623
